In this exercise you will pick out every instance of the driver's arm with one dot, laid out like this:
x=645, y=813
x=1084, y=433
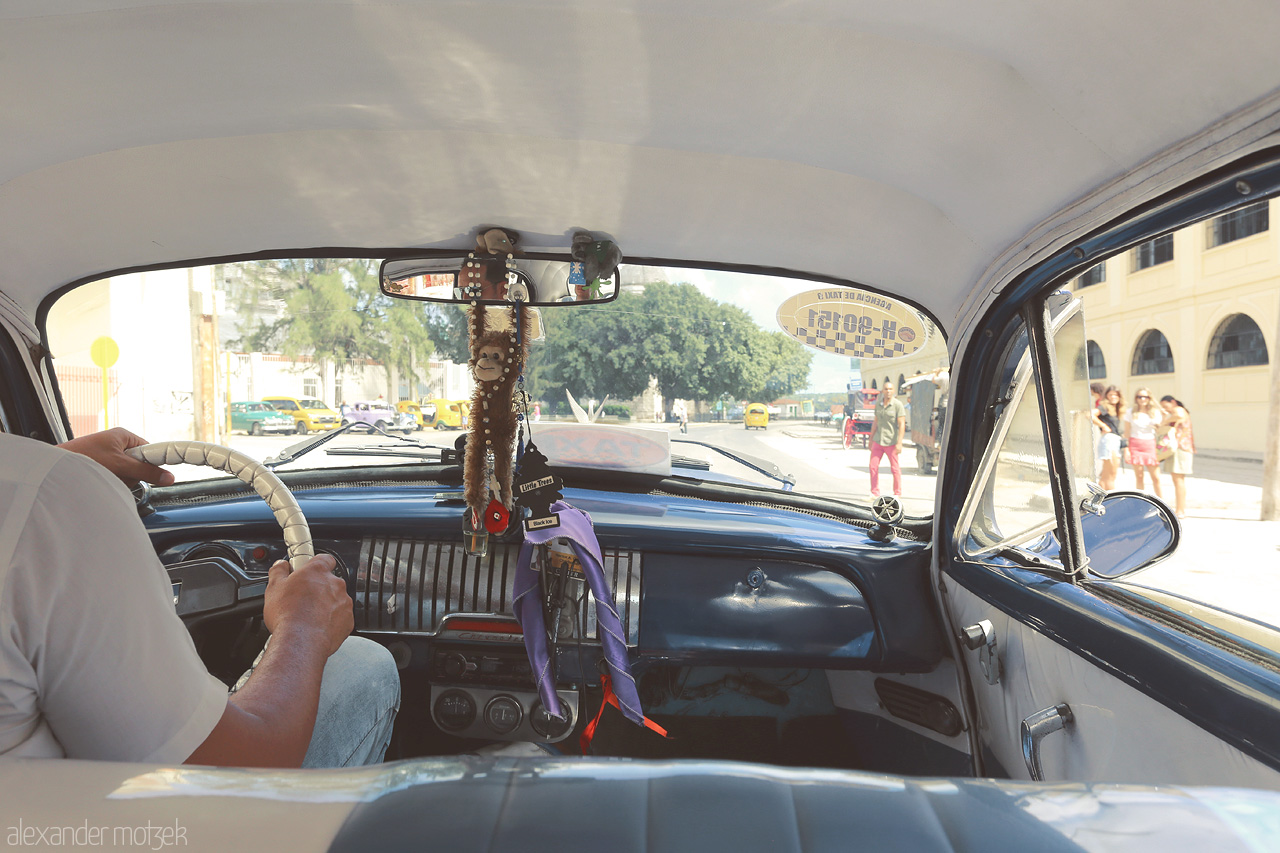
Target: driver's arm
x=269, y=721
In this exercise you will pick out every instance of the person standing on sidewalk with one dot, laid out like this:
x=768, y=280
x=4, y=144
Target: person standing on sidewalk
x=1109, y=413
x=1178, y=466
x=1140, y=430
x=886, y=438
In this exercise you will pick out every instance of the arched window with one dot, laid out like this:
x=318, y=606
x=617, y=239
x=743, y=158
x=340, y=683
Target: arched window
x=1152, y=354
x=1237, y=342
x=1097, y=363
x=902, y=380
x=873, y=384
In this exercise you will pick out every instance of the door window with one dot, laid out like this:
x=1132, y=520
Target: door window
x=1012, y=502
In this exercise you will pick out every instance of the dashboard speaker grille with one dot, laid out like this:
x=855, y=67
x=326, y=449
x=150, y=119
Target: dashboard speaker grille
x=410, y=585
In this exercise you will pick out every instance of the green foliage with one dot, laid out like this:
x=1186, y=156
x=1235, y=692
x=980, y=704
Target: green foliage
x=447, y=326
x=617, y=410
x=329, y=310
x=695, y=348
x=788, y=366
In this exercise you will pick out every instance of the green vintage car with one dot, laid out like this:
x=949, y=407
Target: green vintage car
x=257, y=418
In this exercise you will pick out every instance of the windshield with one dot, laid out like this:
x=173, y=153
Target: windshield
x=764, y=380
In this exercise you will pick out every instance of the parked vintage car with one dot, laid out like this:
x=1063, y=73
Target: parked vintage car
x=257, y=418
x=414, y=410
x=378, y=413
x=790, y=186
x=308, y=413
x=449, y=414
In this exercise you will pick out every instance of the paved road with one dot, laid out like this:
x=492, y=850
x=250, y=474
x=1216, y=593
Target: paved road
x=816, y=457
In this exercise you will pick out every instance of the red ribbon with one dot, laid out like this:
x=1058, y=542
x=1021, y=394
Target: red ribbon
x=610, y=699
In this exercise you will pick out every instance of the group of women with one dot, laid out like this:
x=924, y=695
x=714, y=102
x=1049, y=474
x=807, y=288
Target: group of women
x=1132, y=434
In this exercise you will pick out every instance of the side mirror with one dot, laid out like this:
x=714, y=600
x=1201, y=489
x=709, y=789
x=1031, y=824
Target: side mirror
x=1127, y=531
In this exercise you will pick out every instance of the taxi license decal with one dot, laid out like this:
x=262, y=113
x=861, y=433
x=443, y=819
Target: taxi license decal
x=853, y=323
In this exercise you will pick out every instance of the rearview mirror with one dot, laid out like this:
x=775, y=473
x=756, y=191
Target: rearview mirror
x=540, y=279
x=1131, y=532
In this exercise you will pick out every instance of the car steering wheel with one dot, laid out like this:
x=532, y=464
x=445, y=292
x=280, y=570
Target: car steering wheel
x=297, y=534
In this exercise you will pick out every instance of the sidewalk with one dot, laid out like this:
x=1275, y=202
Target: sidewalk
x=1230, y=455
x=1227, y=563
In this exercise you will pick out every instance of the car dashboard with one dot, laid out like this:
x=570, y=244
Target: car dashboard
x=727, y=608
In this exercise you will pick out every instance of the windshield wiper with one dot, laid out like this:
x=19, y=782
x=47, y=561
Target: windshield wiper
x=418, y=451
x=760, y=466
x=302, y=448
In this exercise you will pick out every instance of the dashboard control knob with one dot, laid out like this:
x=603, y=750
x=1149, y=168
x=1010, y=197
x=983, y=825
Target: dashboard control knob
x=503, y=714
x=455, y=710
x=455, y=664
x=546, y=725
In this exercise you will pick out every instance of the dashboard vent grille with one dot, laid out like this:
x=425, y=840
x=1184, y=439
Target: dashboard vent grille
x=410, y=585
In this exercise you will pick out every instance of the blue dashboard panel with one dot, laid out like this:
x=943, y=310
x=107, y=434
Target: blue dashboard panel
x=724, y=610
x=830, y=595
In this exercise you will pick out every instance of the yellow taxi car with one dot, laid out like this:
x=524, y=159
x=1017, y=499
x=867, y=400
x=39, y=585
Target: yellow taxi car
x=756, y=415
x=307, y=413
x=450, y=414
x=413, y=409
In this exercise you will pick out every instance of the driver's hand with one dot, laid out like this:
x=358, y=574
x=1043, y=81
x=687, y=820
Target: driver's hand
x=108, y=450
x=310, y=599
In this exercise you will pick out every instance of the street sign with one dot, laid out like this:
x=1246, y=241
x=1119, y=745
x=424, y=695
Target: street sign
x=104, y=351
x=852, y=322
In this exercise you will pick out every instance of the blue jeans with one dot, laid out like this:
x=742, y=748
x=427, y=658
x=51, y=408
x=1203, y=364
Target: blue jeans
x=359, y=697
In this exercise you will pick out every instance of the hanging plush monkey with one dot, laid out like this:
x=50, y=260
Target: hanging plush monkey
x=496, y=362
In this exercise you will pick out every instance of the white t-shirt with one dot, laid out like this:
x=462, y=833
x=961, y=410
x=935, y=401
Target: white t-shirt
x=94, y=661
x=1143, y=424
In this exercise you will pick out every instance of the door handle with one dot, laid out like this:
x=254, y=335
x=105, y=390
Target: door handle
x=982, y=636
x=1035, y=729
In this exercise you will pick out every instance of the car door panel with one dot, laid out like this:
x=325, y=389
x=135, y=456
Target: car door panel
x=1118, y=732
x=904, y=722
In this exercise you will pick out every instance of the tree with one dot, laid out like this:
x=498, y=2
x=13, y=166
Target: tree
x=695, y=347
x=447, y=326
x=329, y=311
x=789, y=363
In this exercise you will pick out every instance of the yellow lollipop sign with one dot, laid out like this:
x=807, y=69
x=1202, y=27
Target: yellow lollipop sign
x=854, y=323
x=105, y=352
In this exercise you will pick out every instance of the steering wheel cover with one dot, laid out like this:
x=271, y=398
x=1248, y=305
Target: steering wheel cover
x=297, y=534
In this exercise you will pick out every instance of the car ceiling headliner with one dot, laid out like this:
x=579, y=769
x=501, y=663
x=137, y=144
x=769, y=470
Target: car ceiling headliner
x=901, y=145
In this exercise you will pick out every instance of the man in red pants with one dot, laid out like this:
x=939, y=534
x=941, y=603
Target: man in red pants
x=886, y=437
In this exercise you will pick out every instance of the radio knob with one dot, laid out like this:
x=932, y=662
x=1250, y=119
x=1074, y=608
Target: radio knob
x=455, y=664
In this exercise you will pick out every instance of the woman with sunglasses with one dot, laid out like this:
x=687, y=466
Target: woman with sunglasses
x=1140, y=430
